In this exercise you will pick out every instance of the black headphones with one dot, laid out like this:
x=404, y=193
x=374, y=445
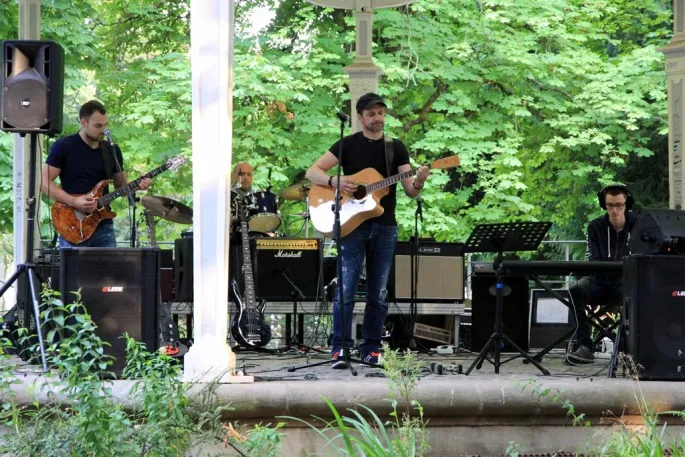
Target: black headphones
x=601, y=195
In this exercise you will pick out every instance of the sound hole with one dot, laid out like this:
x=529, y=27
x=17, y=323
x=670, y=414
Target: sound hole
x=360, y=192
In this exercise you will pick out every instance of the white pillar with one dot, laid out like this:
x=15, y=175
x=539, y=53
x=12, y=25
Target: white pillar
x=675, y=75
x=29, y=29
x=211, y=42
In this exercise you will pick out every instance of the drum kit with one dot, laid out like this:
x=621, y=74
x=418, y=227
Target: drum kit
x=264, y=216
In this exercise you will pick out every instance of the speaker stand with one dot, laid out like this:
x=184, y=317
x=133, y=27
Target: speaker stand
x=27, y=269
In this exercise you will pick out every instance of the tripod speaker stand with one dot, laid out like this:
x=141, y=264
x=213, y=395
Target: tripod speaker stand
x=515, y=236
x=27, y=270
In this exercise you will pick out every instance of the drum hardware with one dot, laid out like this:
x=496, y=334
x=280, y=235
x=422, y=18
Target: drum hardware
x=298, y=193
x=150, y=222
x=168, y=209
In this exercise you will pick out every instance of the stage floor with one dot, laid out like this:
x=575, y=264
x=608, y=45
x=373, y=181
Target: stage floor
x=274, y=367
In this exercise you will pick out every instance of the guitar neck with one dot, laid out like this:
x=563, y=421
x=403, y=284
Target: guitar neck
x=105, y=200
x=391, y=180
x=250, y=297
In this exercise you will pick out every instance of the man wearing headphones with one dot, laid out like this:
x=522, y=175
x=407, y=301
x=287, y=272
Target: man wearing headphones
x=607, y=239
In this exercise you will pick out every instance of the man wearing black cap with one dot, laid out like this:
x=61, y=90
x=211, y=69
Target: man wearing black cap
x=374, y=239
x=607, y=239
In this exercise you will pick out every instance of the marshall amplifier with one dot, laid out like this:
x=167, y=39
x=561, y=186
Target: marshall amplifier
x=440, y=272
x=284, y=265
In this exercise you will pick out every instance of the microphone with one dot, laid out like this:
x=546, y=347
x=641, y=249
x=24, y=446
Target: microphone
x=108, y=136
x=343, y=117
x=419, y=208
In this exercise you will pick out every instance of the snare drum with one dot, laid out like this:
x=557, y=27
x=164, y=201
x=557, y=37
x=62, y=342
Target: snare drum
x=265, y=216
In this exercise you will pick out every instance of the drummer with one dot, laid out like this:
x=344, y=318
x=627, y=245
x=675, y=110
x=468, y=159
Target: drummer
x=242, y=179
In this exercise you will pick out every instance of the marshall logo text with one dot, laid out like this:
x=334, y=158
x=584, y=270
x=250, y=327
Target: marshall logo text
x=288, y=254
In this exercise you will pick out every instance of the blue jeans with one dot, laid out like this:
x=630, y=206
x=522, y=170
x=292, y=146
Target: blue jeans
x=103, y=237
x=376, y=243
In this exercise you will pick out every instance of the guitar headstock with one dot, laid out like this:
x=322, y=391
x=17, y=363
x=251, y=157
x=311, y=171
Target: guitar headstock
x=447, y=162
x=175, y=162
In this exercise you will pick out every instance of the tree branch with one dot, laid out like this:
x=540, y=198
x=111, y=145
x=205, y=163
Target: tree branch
x=440, y=89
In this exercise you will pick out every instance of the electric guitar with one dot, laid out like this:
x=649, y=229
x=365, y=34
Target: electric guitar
x=248, y=326
x=77, y=226
x=364, y=203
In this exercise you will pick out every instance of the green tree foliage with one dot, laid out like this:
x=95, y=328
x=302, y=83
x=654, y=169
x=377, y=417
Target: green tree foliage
x=544, y=102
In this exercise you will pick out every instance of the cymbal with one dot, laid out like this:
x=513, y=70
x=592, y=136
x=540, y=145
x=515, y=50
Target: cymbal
x=296, y=192
x=168, y=209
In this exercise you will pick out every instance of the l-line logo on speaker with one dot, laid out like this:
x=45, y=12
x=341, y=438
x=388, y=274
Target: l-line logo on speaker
x=112, y=289
x=678, y=293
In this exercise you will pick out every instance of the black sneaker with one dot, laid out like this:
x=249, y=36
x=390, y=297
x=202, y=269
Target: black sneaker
x=338, y=360
x=374, y=358
x=581, y=355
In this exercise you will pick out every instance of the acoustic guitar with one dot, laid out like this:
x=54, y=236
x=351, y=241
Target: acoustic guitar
x=364, y=203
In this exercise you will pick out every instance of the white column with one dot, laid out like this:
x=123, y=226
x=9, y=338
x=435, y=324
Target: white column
x=675, y=75
x=29, y=29
x=211, y=40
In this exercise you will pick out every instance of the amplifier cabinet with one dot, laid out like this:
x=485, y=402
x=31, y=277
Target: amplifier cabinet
x=279, y=261
x=440, y=272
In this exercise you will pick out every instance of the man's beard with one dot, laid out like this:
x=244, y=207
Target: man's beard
x=376, y=127
x=92, y=138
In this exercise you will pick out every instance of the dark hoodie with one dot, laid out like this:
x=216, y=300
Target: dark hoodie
x=604, y=242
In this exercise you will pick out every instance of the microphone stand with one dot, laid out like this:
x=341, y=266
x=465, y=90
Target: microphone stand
x=131, y=197
x=414, y=272
x=296, y=293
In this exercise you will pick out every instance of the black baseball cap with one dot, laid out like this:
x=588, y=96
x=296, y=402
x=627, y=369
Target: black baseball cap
x=368, y=101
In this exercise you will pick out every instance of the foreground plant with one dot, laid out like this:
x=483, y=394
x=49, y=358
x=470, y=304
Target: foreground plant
x=167, y=422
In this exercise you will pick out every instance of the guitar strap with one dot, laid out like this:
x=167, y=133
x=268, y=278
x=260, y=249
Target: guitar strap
x=107, y=158
x=388, y=154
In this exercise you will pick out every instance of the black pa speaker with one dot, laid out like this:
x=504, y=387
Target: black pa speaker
x=654, y=314
x=658, y=231
x=120, y=290
x=515, y=308
x=32, y=87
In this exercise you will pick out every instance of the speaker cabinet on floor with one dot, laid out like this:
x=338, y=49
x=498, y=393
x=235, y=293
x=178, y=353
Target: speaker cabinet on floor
x=654, y=314
x=32, y=86
x=119, y=289
x=440, y=272
x=515, y=308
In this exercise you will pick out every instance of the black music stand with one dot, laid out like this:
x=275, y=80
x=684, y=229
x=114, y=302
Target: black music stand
x=513, y=236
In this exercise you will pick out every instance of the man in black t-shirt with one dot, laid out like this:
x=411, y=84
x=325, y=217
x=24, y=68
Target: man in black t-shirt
x=374, y=239
x=78, y=161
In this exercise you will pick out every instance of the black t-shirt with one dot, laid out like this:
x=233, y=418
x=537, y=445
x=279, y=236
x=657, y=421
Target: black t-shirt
x=360, y=152
x=82, y=167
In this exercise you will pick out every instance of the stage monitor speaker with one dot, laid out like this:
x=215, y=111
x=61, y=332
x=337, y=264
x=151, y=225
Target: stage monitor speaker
x=658, y=231
x=440, y=272
x=120, y=291
x=514, y=311
x=654, y=314
x=550, y=319
x=32, y=87
x=299, y=259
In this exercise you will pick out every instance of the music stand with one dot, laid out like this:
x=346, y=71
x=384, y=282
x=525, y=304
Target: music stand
x=513, y=236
